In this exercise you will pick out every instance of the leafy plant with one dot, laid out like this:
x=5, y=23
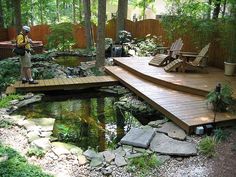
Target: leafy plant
x=124, y=37
x=221, y=135
x=5, y=124
x=143, y=164
x=15, y=165
x=61, y=37
x=221, y=98
x=35, y=152
x=5, y=102
x=207, y=146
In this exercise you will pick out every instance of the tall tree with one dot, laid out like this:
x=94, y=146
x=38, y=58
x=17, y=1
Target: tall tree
x=126, y=3
x=58, y=10
x=87, y=14
x=1, y=15
x=74, y=11
x=100, y=57
x=209, y=10
x=32, y=13
x=80, y=10
x=216, y=11
x=17, y=8
x=120, y=22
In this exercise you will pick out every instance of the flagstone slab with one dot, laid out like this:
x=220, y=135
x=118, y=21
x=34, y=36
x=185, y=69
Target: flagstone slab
x=139, y=137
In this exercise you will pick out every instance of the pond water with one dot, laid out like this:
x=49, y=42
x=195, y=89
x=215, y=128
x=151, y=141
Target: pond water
x=85, y=119
x=71, y=61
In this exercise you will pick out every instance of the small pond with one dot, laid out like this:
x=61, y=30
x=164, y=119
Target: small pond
x=71, y=61
x=86, y=119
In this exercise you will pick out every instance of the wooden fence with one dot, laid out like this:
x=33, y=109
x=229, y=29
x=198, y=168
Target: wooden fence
x=138, y=29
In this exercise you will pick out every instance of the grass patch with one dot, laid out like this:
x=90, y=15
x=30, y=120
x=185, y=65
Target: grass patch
x=221, y=135
x=5, y=102
x=35, y=152
x=207, y=146
x=143, y=164
x=12, y=164
x=5, y=124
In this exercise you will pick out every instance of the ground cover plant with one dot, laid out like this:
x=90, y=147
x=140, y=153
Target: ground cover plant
x=5, y=102
x=12, y=164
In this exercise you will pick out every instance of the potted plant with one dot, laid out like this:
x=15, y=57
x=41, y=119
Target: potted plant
x=221, y=98
x=229, y=38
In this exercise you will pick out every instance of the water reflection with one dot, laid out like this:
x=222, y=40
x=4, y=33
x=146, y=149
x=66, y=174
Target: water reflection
x=85, y=120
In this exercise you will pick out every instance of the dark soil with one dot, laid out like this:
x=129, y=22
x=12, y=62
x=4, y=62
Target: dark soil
x=224, y=162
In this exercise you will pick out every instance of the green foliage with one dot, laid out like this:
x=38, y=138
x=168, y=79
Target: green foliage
x=207, y=146
x=143, y=164
x=66, y=134
x=9, y=72
x=124, y=37
x=223, y=100
x=5, y=102
x=14, y=165
x=148, y=46
x=34, y=151
x=221, y=135
x=61, y=37
x=189, y=17
x=5, y=124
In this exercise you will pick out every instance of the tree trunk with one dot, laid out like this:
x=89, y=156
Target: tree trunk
x=74, y=11
x=58, y=11
x=101, y=119
x=87, y=14
x=209, y=11
x=120, y=22
x=1, y=16
x=100, y=57
x=32, y=13
x=80, y=10
x=216, y=9
x=144, y=9
x=18, y=15
x=126, y=3
x=224, y=8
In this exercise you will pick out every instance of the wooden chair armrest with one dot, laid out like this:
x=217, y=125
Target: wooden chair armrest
x=190, y=53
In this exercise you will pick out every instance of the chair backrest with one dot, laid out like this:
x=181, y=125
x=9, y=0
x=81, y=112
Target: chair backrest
x=174, y=45
x=201, y=55
x=178, y=46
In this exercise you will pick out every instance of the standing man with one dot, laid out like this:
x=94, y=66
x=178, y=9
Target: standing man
x=23, y=41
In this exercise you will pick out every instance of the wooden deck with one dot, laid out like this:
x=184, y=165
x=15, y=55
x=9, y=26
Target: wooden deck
x=64, y=84
x=179, y=96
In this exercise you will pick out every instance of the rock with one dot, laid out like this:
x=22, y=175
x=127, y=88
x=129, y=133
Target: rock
x=89, y=153
x=45, y=124
x=63, y=145
x=97, y=161
x=120, y=161
x=131, y=156
x=35, y=98
x=108, y=155
x=32, y=136
x=172, y=131
x=76, y=150
x=106, y=171
x=157, y=123
x=60, y=151
x=138, y=137
x=82, y=159
x=45, y=134
x=42, y=143
x=163, y=144
x=13, y=102
x=119, y=151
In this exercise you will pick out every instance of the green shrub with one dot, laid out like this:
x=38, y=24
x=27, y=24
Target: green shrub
x=221, y=135
x=35, y=152
x=5, y=124
x=143, y=164
x=61, y=37
x=14, y=165
x=5, y=102
x=207, y=146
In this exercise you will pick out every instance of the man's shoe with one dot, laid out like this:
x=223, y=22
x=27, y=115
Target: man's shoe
x=23, y=81
x=33, y=82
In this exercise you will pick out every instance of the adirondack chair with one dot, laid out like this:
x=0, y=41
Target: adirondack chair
x=182, y=64
x=164, y=59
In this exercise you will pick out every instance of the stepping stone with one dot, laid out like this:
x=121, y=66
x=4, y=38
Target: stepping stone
x=82, y=159
x=42, y=143
x=163, y=144
x=138, y=137
x=32, y=136
x=108, y=155
x=60, y=151
x=172, y=131
x=120, y=161
x=157, y=123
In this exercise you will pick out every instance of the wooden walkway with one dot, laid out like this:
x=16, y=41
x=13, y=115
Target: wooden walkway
x=64, y=84
x=179, y=96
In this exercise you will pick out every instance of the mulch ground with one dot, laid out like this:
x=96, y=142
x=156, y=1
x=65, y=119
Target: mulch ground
x=224, y=162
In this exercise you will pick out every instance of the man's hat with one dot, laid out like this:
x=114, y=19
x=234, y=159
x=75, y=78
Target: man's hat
x=26, y=28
